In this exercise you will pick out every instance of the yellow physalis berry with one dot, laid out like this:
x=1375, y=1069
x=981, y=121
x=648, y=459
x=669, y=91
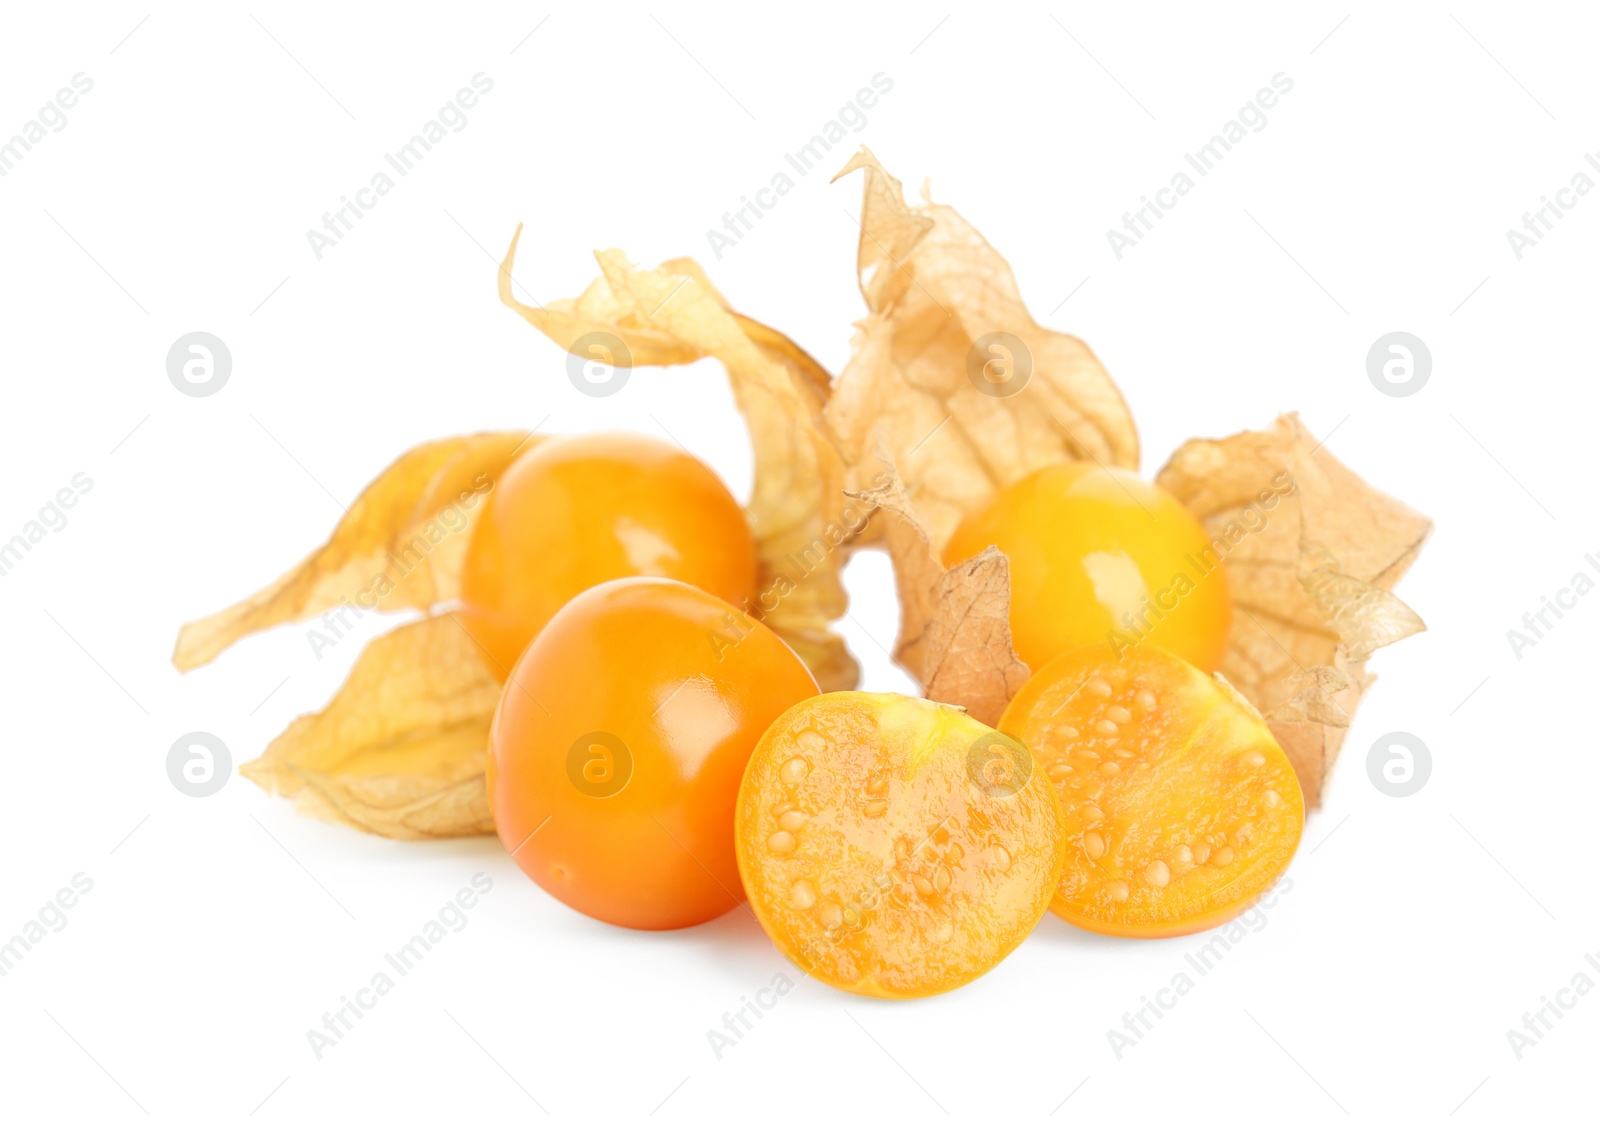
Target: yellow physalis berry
x=1098, y=555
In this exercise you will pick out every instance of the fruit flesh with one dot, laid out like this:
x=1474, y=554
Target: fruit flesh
x=1180, y=806
x=575, y=511
x=638, y=834
x=894, y=847
x=1098, y=550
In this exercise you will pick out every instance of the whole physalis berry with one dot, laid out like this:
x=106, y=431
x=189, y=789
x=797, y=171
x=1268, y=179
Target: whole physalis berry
x=574, y=511
x=619, y=744
x=1099, y=555
x=1181, y=808
x=895, y=847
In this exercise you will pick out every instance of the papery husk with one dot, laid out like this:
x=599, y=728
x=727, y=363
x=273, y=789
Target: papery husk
x=672, y=315
x=400, y=750
x=1312, y=587
x=955, y=624
x=904, y=436
x=399, y=545
x=925, y=445
x=933, y=287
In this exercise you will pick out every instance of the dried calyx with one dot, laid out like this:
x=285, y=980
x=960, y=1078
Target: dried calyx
x=952, y=392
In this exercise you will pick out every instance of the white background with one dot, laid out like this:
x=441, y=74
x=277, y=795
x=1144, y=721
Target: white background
x=218, y=931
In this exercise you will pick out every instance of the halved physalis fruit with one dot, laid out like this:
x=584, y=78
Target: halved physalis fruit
x=1180, y=806
x=1098, y=555
x=895, y=847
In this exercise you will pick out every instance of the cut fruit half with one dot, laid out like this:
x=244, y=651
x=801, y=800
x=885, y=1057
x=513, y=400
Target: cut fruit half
x=895, y=847
x=1181, y=808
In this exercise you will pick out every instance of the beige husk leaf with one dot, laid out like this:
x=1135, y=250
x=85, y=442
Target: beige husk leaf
x=398, y=546
x=925, y=447
x=904, y=434
x=955, y=626
x=672, y=315
x=927, y=441
x=1311, y=588
x=400, y=751
x=910, y=396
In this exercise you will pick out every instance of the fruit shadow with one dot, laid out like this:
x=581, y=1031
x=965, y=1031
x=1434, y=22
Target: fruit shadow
x=732, y=948
x=736, y=939
x=736, y=931
x=1054, y=931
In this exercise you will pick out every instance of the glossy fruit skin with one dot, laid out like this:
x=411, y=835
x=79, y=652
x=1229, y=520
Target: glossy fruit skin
x=1091, y=547
x=891, y=847
x=638, y=834
x=1201, y=813
x=573, y=511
